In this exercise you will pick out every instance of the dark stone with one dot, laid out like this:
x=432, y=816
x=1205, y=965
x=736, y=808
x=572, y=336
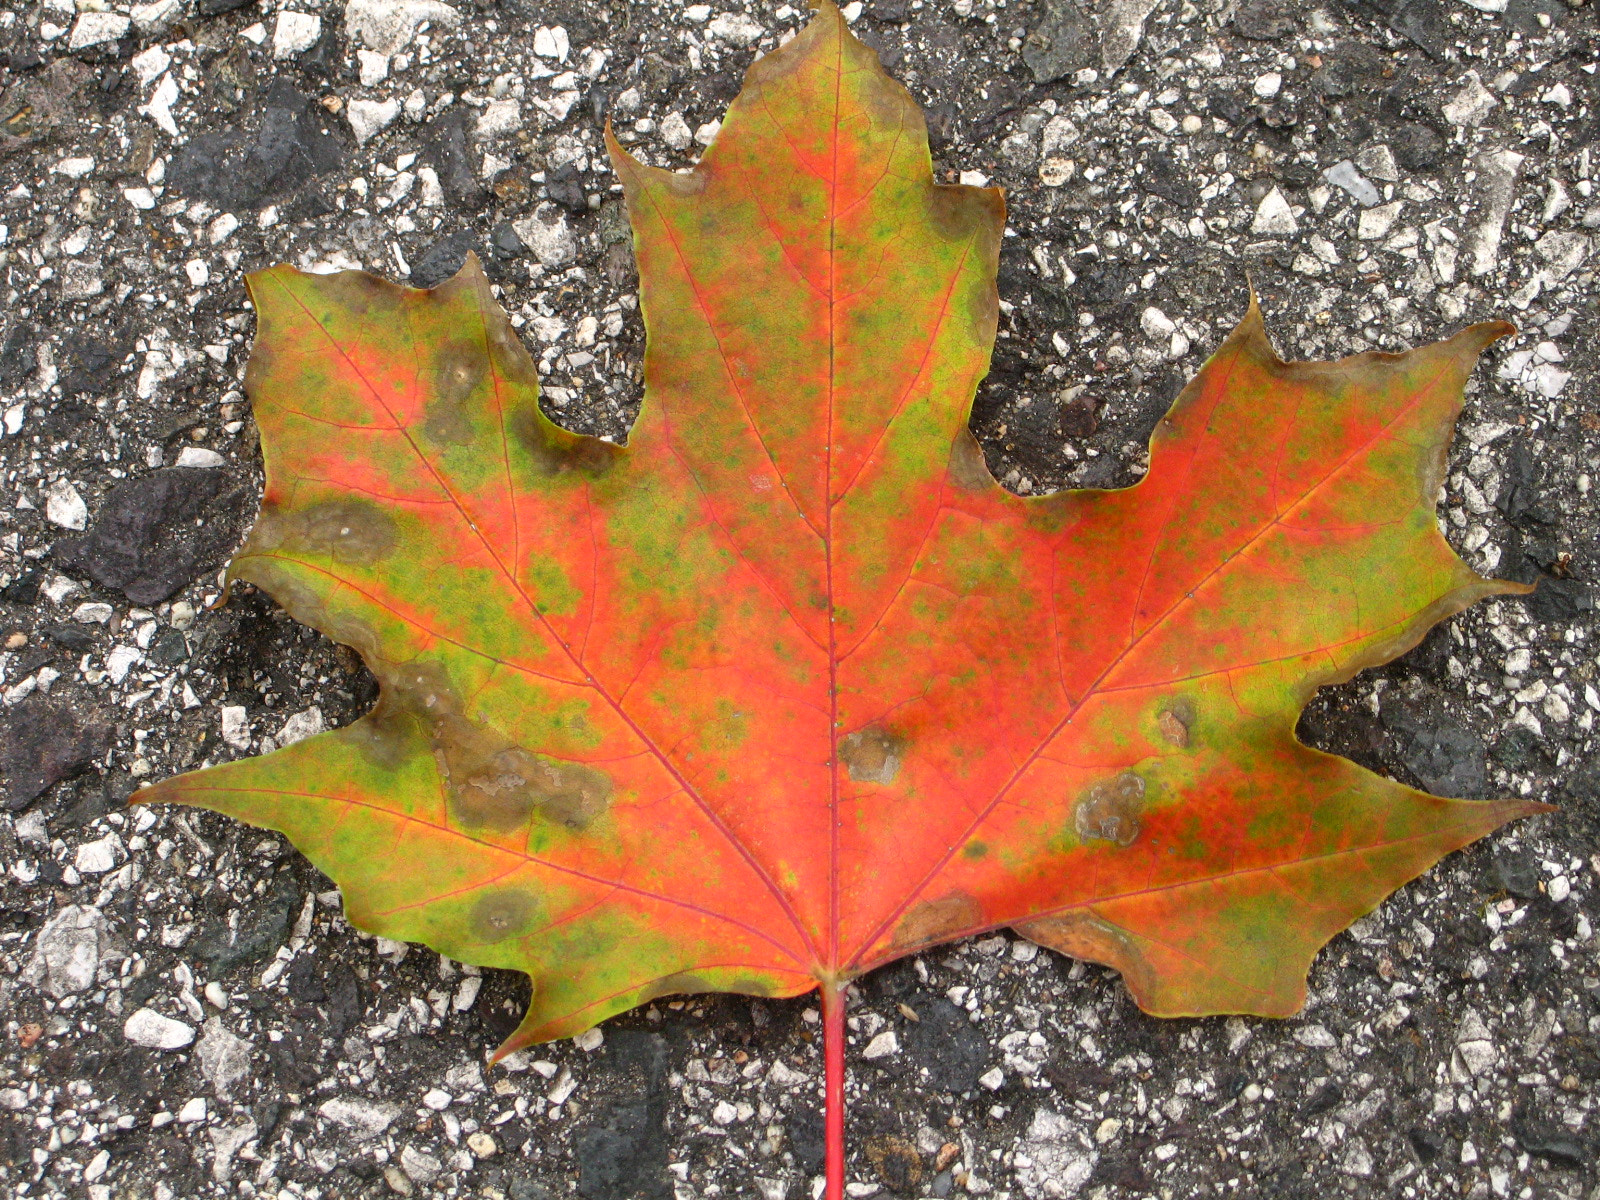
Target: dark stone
x=504, y=242
x=621, y=1151
x=1229, y=108
x=1559, y=600
x=42, y=742
x=76, y=638
x=1264, y=20
x=807, y=1140
x=945, y=1043
x=1516, y=871
x=303, y=981
x=169, y=648
x=1080, y=416
x=90, y=806
x=1428, y=1144
x=1163, y=177
x=1063, y=42
x=1523, y=16
x=25, y=58
x=1328, y=1096
x=290, y=147
x=215, y=8
x=345, y=1003
x=24, y=589
x=527, y=1189
x=1583, y=781
x=891, y=11
x=18, y=357
x=447, y=148
x=91, y=366
x=443, y=259
x=1425, y=22
x=1416, y=147
x=1445, y=757
x=259, y=933
x=1335, y=78
x=565, y=187
x=1519, y=484
x=1518, y=748
x=156, y=533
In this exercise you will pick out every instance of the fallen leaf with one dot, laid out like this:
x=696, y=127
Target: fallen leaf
x=790, y=687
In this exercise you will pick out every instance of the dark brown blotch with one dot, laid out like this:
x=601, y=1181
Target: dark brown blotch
x=1081, y=934
x=1109, y=810
x=872, y=755
x=458, y=372
x=502, y=789
x=938, y=920
x=347, y=530
x=501, y=914
x=555, y=451
x=968, y=469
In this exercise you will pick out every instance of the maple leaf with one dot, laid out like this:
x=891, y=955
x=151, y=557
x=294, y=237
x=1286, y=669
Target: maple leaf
x=790, y=687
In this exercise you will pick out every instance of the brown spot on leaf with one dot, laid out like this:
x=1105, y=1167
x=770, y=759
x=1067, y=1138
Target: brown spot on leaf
x=936, y=920
x=497, y=785
x=346, y=530
x=502, y=913
x=968, y=470
x=1081, y=934
x=1175, y=720
x=458, y=372
x=1109, y=810
x=682, y=983
x=556, y=451
x=872, y=755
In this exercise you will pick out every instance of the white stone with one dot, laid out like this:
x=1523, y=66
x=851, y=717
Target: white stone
x=1267, y=85
x=388, y=26
x=64, y=507
x=1558, y=889
x=419, y=1167
x=1563, y=254
x=884, y=1045
x=707, y=133
x=374, y=67
x=141, y=198
x=1315, y=1036
x=149, y=65
x=199, y=274
x=1469, y=106
x=74, y=168
x=1274, y=217
x=1376, y=222
x=199, y=456
x=467, y=994
x=993, y=1079
x=724, y=1113
x=1056, y=1158
x=1497, y=180
x=98, y=28
x=675, y=131
x=546, y=235
x=1357, y=1159
x=236, y=726
x=1156, y=324
x=226, y=1142
x=150, y=1029
x=437, y=1099
x=67, y=951
x=224, y=1058
x=1379, y=162
x=120, y=661
x=159, y=110
x=499, y=118
x=1344, y=175
x=369, y=118
x=295, y=33
x=734, y=28
x=193, y=1111
x=156, y=18
x=551, y=42
x=365, y=1119
x=99, y=856
x=301, y=726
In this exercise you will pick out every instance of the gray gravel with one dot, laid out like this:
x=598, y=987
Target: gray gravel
x=185, y=1011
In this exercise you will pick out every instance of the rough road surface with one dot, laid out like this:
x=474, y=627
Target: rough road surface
x=186, y=1014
